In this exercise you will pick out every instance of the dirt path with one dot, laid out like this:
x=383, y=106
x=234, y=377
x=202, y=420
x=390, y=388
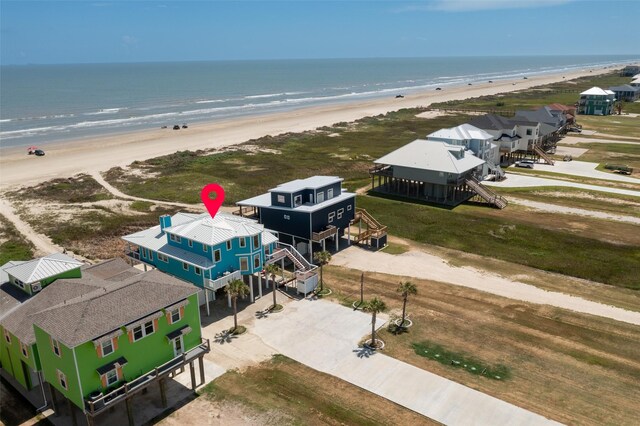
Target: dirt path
x=426, y=266
x=43, y=244
x=554, y=208
x=572, y=140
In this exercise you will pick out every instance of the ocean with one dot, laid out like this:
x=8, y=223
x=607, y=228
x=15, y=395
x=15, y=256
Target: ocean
x=47, y=103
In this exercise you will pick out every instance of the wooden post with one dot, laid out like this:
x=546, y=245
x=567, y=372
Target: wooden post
x=54, y=400
x=251, y=288
x=129, y=411
x=201, y=365
x=163, y=394
x=206, y=297
x=260, y=284
x=193, y=375
x=72, y=410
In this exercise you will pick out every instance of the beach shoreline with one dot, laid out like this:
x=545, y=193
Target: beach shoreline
x=67, y=158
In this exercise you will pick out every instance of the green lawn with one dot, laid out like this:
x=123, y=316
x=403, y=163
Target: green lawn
x=469, y=229
x=612, y=125
x=14, y=246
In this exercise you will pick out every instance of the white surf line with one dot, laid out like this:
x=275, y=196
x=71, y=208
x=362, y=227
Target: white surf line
x=554, y=208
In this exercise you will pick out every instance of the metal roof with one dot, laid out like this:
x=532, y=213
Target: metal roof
x=264, y=200
x=313, y=182
x=462, y=132
x=597, y=91
x=432, y=155
x=43, y=267
x=219, y=229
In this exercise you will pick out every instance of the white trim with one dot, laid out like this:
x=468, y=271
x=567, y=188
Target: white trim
x=143, y=329
x=59, y=374
x=110, y=343
x=246, y=259
x=219, y=255
x=229, y=245
x=75, y=361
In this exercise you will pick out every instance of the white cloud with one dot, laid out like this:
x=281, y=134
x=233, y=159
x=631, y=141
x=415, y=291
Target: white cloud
x=475, y=5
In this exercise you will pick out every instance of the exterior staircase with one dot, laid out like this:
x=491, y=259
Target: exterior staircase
x=497, y=171
x=543, y=155
x=374, y=228
x=302, y=265
x=484, y=192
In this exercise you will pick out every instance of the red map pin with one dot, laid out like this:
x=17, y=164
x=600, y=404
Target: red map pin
x=212, y=205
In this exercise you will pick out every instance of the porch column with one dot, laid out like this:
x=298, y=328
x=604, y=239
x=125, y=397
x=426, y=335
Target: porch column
x=201, y=365
x=282, y=266
x=54, y=400
x=260, y=284
x=335, y=236
x=206, y=297
x=349, y=235
x=145, y=267
x=129, y=411
x=163, y=393
x=311, y=250
x=251, y=287
x=192, y=370
x=324, y=246
x=72, y=409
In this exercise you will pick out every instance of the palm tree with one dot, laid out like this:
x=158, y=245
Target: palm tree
x=271, y=270
x=406, y=288
x=236, y=288
x=322, y=257
x=374, y=306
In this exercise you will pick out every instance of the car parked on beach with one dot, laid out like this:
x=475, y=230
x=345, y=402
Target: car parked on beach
x=527, y=164
x=176, y=127
x=39, y=152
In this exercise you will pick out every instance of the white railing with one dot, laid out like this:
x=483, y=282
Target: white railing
x=223, y=280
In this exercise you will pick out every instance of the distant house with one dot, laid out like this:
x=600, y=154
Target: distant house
x=210, y=252
x=476, y=140
x=311, y=214
x=515, y=137
x=630, y=70
x=626, y=92
x=568, y=112
x=433, y=171
x=86, y=337
x=596, y=101
x=33, y=275
x=548, y=115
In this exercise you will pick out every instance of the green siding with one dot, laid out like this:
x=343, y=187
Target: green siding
x=12, y=358
x=73, y=273
x=65, y=363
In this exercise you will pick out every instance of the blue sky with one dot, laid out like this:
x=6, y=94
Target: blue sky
x=141, y=31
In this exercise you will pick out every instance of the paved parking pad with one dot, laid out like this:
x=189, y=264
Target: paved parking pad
x=325, y=336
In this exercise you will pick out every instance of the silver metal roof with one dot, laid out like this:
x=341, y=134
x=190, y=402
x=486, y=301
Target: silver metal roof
x=432, y=155
x=462, y=132
x=313, y=182
x=264, y=200
x=212, y=231
x=43, y=267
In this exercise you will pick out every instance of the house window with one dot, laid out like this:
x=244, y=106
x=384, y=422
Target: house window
x=349, y=208
x=281, y=198
x=144, y=252
x=107, y=347
x=19, y=283
x=340, y=213
x=7, y=336
x=185, y=266
x=196, y=270
x=320, y=197
x=190, y=243
x=529, y=132
x=143, y=330
x=332, y=216
x=163, y=258
x=112, y=377
x=256, y=242
x=150, y=255
x=25, y=350
x=55, y=345
x=175, y=316
x=297, y=200
x=256, y=261
x=329, y=193
x=217, y=256
x=175, y=238
x=228, y=245
x=287, y=217
x=244, y=264
x=205, y=248
x=243, y=242
x=62, y=379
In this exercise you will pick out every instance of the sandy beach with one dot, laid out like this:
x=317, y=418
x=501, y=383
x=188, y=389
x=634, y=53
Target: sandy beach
x=64, y=159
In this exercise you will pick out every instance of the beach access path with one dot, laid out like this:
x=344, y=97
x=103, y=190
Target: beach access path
x=555, y=208
x=325, y=336
x=422, y=265
x=65, y=159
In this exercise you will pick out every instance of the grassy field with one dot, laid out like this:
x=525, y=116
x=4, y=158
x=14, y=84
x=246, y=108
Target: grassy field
x=577, y=198
x=346, y=149
x=624, y=154
x=576, y=369
x=517, y=236
x=574, y=178
x=276, y=389
x=624, y=126
x=13, y=246
x=566, y=92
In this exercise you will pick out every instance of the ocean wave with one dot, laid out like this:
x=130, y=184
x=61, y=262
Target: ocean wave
x=106, y=111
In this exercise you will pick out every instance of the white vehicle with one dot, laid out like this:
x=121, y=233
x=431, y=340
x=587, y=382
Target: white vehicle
x=527, y=164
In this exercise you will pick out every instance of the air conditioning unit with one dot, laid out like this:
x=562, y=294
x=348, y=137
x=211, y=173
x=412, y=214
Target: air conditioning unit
x=36, y=287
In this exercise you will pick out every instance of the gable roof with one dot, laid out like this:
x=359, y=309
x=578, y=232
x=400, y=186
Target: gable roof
x=560, y=107
x=17, y=317
x=432, y=155
x=462, y=132
x=596, y=91
x=540, y=115
x=110, y=306
x=43, y=267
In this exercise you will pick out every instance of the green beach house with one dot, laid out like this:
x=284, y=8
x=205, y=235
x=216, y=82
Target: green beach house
x=33, y=275
x=97, y=340
x=596, y=101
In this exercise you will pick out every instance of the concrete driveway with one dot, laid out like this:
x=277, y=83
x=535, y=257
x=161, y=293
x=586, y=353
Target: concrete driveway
x=584, y=169
x=325, y=336
x=522, y=181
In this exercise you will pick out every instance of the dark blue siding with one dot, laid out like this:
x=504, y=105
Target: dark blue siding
x=297, y=224
x=321, y=217
x=287, y=199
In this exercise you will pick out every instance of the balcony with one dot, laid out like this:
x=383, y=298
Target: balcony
x=329, y=231
x=95, y=406
x=222, y=280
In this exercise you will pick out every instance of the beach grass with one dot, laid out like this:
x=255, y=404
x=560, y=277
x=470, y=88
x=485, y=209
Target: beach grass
x=565, y=92
x=514, y=237
x=555, y=357
x=249, y=169
x=623, y=126
x=13, y=246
